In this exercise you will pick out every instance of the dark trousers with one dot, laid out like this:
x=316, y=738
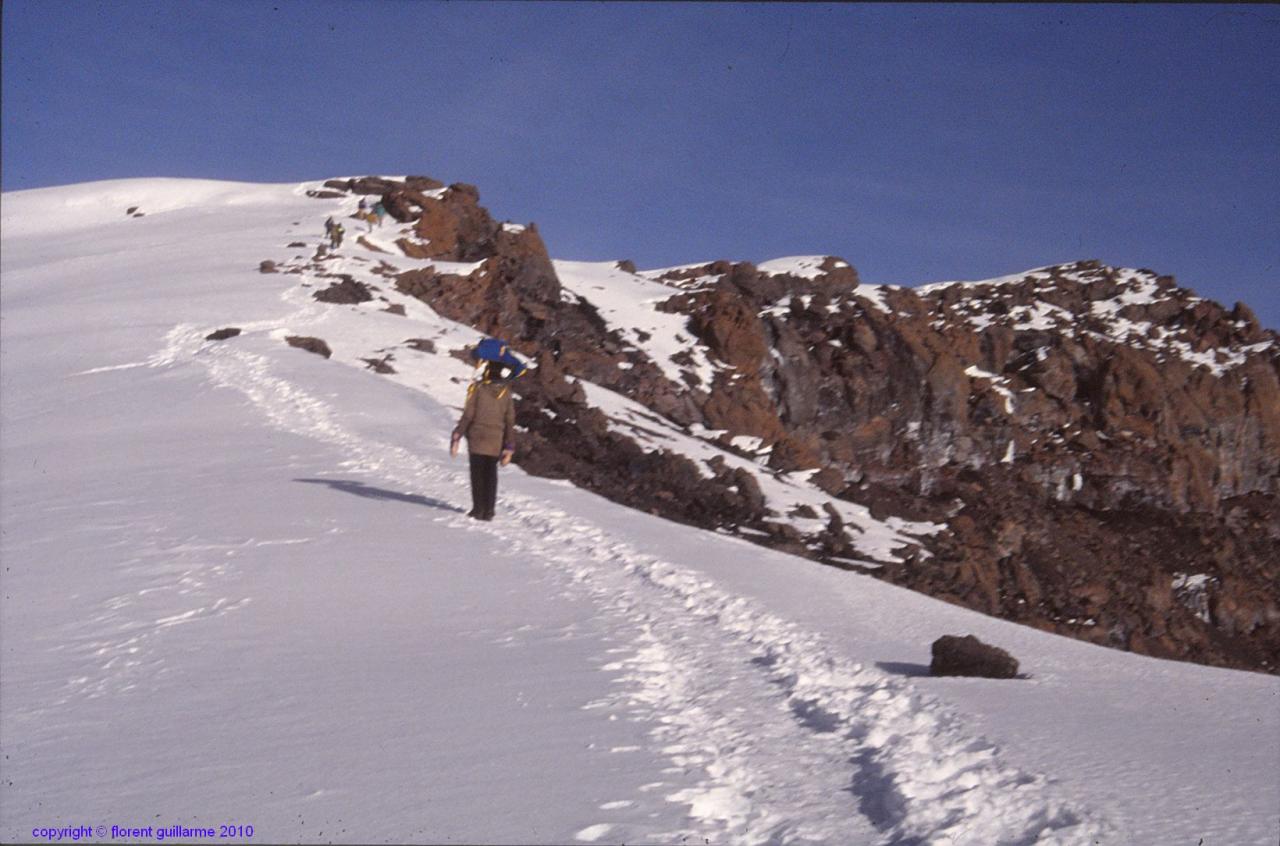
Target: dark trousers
x=484, y=484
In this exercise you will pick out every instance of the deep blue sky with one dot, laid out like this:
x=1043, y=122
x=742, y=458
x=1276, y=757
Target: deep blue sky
x=921, y=142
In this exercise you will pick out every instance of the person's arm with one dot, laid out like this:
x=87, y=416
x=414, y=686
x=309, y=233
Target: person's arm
x=468, y=415
x=509, y=430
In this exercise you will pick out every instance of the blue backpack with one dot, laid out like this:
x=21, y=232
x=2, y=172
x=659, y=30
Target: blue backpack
x=491, y=349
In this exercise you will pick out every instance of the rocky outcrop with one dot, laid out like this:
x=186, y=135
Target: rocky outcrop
x=1085, y=433
x=1102, y=446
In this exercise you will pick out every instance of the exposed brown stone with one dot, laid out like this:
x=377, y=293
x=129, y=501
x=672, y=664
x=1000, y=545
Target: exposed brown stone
x=347, y=291
x=968, y=656
x=313, y=345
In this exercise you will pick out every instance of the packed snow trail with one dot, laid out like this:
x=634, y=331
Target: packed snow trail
x=790, y=743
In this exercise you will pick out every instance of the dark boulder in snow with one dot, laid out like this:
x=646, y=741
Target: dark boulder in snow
x=348, y=291
x=968, y=656
x=222, y=334
x=314, y=345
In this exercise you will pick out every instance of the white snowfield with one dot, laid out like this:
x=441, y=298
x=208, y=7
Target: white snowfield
x=239, y=589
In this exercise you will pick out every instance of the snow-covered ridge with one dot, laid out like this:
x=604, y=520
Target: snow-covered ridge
x=1024, y=302
x=693, y=277
x=803, y=267
x=94, y=204
x=1119, y=306
x=995, y=281
x=689, y=278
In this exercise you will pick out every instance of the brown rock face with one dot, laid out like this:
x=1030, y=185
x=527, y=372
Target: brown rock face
x=1102, y=446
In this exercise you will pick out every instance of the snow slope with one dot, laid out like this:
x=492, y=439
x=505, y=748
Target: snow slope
x=239, y=588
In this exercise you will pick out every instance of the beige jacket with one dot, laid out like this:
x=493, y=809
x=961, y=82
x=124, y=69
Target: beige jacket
x=489, y=419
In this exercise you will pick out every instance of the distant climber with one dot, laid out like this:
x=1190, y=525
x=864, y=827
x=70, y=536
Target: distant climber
x=380, y=211
x=360, y=208
x=328, y=228
x=335, y=236
x=489, y=425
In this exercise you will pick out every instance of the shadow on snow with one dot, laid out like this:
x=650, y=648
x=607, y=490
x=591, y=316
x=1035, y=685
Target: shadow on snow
x=370, y=492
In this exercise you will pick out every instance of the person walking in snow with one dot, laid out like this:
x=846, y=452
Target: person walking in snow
x=328, y=228
x=335, y=236
x=489, y=425
x=380, y=211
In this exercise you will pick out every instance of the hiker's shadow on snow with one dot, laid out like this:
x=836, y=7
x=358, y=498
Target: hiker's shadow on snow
x=370, y=492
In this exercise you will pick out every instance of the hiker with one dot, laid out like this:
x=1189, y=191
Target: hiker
x=489, y=425
x=380, y=211
x=335, y=236
x=360, y=208
x=328, y=228
x=369, y=218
